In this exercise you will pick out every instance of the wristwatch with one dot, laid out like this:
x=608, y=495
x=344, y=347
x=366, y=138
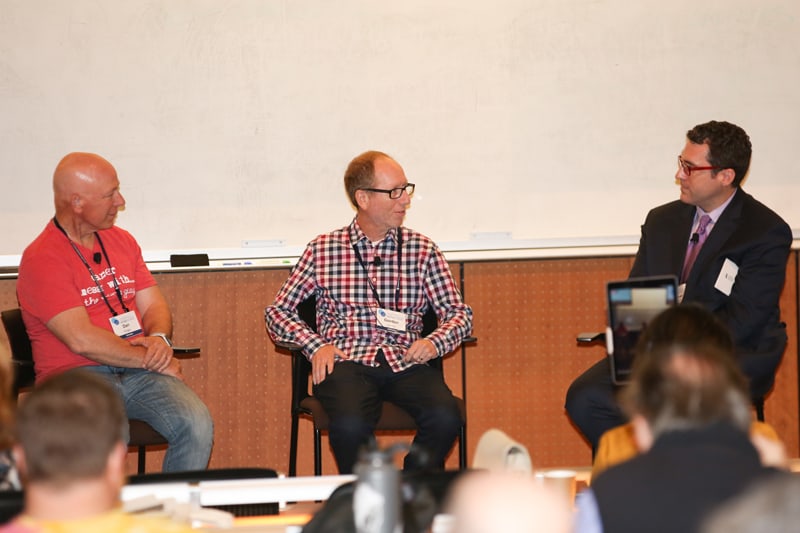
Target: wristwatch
x=163, y=336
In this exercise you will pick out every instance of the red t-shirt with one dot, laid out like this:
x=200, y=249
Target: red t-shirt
x=52, y=279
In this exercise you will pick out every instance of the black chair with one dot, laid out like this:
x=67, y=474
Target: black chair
x=592, y=338
x=142, y=434
x=392, y=418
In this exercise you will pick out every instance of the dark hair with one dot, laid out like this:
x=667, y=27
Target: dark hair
x=728, y=146
x=685, y=373
x=68, y=427
x=360, y=173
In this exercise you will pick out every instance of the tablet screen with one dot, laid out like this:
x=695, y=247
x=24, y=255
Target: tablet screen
x=632, y=303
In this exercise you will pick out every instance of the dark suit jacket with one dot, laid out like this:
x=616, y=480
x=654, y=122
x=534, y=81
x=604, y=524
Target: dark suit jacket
x=758, y=241
x=675, y=485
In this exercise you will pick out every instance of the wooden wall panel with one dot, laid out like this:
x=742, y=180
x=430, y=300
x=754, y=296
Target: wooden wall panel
x=527, y=314
x=781, y=408
x=239, y=375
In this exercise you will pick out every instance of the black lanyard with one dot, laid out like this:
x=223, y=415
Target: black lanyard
x=399, y=270
x=91, y=272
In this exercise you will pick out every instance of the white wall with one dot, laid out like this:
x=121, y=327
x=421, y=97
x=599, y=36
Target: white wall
x=234, y=119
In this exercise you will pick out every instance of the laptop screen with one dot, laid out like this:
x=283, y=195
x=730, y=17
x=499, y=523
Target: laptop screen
x=632, y=303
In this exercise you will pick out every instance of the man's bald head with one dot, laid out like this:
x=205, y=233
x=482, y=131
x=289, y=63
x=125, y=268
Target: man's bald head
x=485, y=502
x=76, y=173
x=86, y=195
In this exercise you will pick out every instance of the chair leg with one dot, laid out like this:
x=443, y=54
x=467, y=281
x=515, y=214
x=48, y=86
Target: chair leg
x=293, y=447
x=317, y=452
x=462, y=448
x=142, y=459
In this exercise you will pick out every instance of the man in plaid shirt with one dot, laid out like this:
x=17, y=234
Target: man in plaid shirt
x=373, y=281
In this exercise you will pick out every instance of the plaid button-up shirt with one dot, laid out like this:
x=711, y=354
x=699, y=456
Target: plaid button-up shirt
x=346, y=303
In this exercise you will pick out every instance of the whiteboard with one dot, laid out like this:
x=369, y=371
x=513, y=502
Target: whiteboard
x=233, y=120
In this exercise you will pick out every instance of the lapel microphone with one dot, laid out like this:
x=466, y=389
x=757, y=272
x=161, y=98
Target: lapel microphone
x=695, y=238
x=377, y=261
x=97, y=257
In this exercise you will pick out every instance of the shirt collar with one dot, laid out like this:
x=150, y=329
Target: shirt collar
x=715, y=213
x=356, y=234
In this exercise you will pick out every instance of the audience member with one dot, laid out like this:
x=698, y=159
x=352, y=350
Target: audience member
x=738, y=272
x=89, y=301
x=690, y=413
x=71, y=450
x=619, y=444
x=9, y=480
x=490, y=502
x=373, y=281
x=769, y=506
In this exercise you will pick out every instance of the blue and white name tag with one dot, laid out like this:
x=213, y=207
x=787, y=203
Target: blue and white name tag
x=125, y=325
x=388, y=319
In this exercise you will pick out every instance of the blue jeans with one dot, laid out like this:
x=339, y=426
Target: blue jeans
x=171, y=408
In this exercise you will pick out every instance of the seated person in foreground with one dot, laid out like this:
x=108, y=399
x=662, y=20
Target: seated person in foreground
x=89, y=301
x=71, y=453
x=769, y=506
x=373, y=281
x=506, y=502
x=691, y=413
x=619, y=444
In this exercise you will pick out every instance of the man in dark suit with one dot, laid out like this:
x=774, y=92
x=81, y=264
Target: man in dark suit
x=741, y=249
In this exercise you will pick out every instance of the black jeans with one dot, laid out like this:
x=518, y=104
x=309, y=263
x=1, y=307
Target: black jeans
x=352, y=396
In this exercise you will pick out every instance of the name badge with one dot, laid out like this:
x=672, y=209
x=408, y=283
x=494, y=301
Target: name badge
x=726, y=277
x=388, y=319
x=125, y=325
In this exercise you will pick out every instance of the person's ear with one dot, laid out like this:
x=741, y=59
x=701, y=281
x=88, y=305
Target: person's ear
x=362, y=199
x=642, y=433
x=76, y=202
x=726, y=176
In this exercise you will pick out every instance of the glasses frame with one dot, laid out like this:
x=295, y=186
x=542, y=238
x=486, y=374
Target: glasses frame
x=395, y=193
x=687, y=169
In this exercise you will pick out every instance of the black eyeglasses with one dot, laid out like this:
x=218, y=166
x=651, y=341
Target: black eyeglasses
x=395, y=193
x=689, y=168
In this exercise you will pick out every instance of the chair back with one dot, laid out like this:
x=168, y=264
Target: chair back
x=301, y=366
x=21, y=351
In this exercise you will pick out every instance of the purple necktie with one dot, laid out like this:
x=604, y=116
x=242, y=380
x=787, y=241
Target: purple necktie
x=694, y=246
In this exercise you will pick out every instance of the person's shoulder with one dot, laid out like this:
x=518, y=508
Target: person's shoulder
x=47, y=239
x=751, y=207
x=410, y=235
x=44, y=251
x=340, y=235
x=119, y=521
x=156, y=524
x=675, y=207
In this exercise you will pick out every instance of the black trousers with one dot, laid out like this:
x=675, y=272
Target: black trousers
x=592, y=404
x=352, y=396
x=591, y=399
